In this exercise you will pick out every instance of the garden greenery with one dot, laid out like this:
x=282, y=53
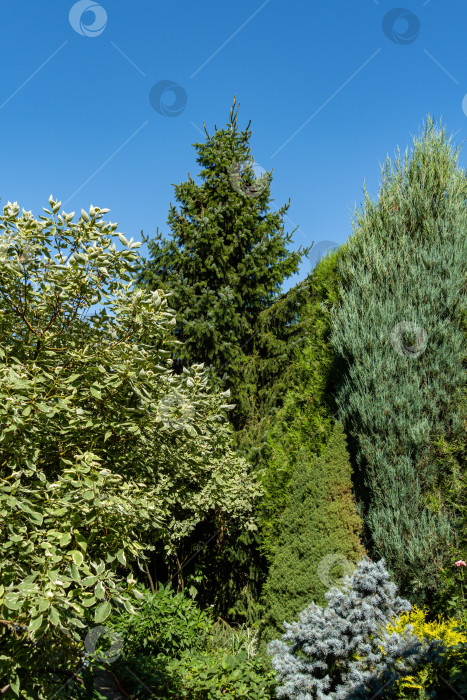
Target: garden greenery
x=141, y=498
x=104, y=451
x=343, y=651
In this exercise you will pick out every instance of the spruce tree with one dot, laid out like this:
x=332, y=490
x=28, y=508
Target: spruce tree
x=225, y=261
x=398, y=330
x=319, y=528
x=344, y=651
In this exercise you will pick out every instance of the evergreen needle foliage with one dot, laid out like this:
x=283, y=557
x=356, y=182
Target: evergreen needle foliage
x=297, y=405
x=344, y=652
x=319, y=525
x=398, y=329
x=224, y=265
x=226, y=260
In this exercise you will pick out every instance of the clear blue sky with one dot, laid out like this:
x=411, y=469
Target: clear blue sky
x=329, y=90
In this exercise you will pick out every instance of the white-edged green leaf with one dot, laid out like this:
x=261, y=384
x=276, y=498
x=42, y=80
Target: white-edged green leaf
x=75, y=573
x=77, y=557
x=13, y=602
x=44, y=604
x=35, y=623
x=53, y=615
x=95, y=392
x=88, y=602
x=121, y=557
x=102, y=612
x=65, y=539
x=99, y=591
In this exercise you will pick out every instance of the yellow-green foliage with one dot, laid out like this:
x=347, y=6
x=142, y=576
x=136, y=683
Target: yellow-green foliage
x=305, y=419
x=443, y=629
x=319, y=520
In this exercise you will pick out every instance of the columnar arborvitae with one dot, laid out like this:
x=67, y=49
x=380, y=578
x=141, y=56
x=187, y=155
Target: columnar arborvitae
x=225, y=261
x=398, y=329
x=304, y=416
x=319, y=534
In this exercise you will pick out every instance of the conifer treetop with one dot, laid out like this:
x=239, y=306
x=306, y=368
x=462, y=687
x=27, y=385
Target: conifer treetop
x=227, y=257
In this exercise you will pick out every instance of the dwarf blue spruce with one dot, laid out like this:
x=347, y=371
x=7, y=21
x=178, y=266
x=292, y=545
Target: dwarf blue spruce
x=344, y=651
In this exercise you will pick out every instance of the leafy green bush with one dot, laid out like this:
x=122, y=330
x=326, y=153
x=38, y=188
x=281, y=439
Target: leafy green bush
x=200, y=675
x=172, y=649
x=105, y=453
x=217, y=676
x=165, y=623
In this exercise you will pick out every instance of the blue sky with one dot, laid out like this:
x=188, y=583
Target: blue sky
x=331, y=88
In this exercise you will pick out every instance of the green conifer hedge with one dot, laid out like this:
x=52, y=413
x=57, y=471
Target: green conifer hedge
x=319, y=536
x=398, y=329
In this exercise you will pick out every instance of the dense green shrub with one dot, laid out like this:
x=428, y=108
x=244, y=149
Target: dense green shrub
x=319, y=535
x=104, y=451
x=298, y=408
x=398, y=329
x=174, y=650
x=211, y=676
x=166, y=623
